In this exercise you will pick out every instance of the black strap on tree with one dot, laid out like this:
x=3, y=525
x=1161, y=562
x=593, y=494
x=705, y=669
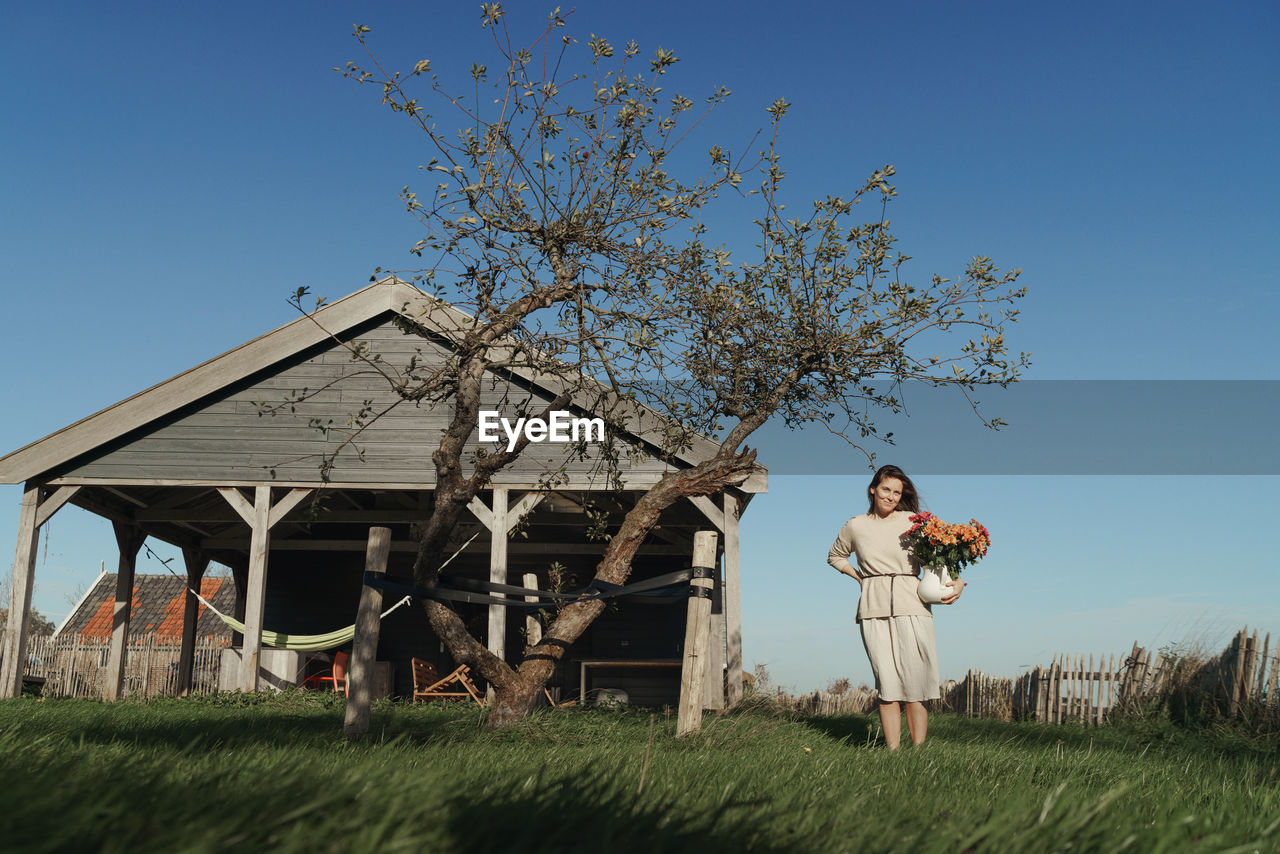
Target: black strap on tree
x=698, y=592
x=592, y=590
x=657, y=590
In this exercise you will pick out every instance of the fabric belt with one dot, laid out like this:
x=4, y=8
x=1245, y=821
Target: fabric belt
x=891, y=586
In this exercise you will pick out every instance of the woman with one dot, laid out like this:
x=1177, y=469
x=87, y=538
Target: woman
x=897, y=628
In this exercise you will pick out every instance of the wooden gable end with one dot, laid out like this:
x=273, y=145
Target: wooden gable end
x=228, y=437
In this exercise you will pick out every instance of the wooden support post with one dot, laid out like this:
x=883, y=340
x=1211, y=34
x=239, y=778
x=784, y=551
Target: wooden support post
x=364, y=648
x=733, y=598
x=129, y=538
x=240, y=580
x=696, y=636
x=497, y=639
x=500, y=520
x=256, y=595
x=24, y=568
x=532, y=628
x=713, y=687
x=261, y=516
x=196, y=562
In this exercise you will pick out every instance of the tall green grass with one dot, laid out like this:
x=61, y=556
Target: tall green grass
x=240, y=774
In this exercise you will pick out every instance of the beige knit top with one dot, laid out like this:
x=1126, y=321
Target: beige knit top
x=880, y=547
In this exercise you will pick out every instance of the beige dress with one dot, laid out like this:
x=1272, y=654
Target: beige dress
x=897, y=628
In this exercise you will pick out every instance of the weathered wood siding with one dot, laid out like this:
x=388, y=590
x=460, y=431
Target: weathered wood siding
x=223, y=439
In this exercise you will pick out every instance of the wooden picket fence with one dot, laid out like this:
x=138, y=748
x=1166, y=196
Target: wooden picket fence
x=1243, y=679
x=978, y=695
x=74, y=668
x=1073, y=688
x=1089, y=690
x=1253, y=674
x=854, y=701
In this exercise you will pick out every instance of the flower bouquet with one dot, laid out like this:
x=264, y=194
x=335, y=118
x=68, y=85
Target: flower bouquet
x=943, y=549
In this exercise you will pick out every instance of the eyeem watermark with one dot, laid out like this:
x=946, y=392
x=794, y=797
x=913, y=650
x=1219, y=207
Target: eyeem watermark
x=561, y=427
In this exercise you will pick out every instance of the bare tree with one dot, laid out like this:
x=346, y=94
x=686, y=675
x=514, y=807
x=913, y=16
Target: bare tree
x=38, y=625
x=565, y=219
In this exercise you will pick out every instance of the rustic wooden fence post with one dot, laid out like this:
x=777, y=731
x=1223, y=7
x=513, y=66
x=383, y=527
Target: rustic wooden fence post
x=1250, y=661
x=1261, y=685
x=1272, y=699
x=1237, y=673
x=364, y=648
x=697, y=633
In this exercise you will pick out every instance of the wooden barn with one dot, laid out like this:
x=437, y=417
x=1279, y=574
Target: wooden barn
x=197, y=462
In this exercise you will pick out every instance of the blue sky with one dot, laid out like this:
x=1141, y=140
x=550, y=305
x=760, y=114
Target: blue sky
x=172, y=172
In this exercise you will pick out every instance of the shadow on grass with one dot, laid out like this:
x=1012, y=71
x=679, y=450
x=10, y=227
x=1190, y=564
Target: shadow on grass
x=1131, y=738
x=187, y=725
x=571, y=815
x=855, y=731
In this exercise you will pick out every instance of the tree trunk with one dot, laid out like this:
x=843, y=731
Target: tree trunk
x=514, y=701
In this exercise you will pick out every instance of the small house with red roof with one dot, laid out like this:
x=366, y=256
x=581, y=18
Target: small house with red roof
x=156, y=609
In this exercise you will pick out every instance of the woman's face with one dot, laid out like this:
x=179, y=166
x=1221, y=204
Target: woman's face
x=887, y=495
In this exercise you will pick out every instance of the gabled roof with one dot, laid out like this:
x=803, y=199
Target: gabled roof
x=157, y=606
x=389, y=295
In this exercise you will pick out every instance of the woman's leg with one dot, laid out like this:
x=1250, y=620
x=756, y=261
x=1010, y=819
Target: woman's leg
x=891, y=723
x=917, y=721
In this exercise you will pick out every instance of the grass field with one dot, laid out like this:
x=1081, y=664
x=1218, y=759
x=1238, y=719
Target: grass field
x=248, y=774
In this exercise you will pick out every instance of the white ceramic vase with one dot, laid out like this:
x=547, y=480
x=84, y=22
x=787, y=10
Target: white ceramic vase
x=933, y=584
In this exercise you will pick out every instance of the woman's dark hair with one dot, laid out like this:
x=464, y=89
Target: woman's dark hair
x=910, y=499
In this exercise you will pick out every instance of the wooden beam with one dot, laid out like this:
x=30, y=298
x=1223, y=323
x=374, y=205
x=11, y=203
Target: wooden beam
x=696, y=631
x=180, y=498
x=756, y=482
x=523, y=507
x=709, y=509
x=255, y=596
x=24, y=568
x=364, y=647
x=242, y=544
x=732, y=593
x=129, y=538
x=195, y=529
x=497, y=638
x=481, y=512
x=633, y=482
x=196, y=562
x=53, y=503
x=136, y=502
x=87, y=499
x=324, y=517
x=238, y=503
x=284, y=505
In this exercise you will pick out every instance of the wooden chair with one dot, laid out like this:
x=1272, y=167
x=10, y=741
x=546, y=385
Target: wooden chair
x=338, y=675
x=426, y=685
